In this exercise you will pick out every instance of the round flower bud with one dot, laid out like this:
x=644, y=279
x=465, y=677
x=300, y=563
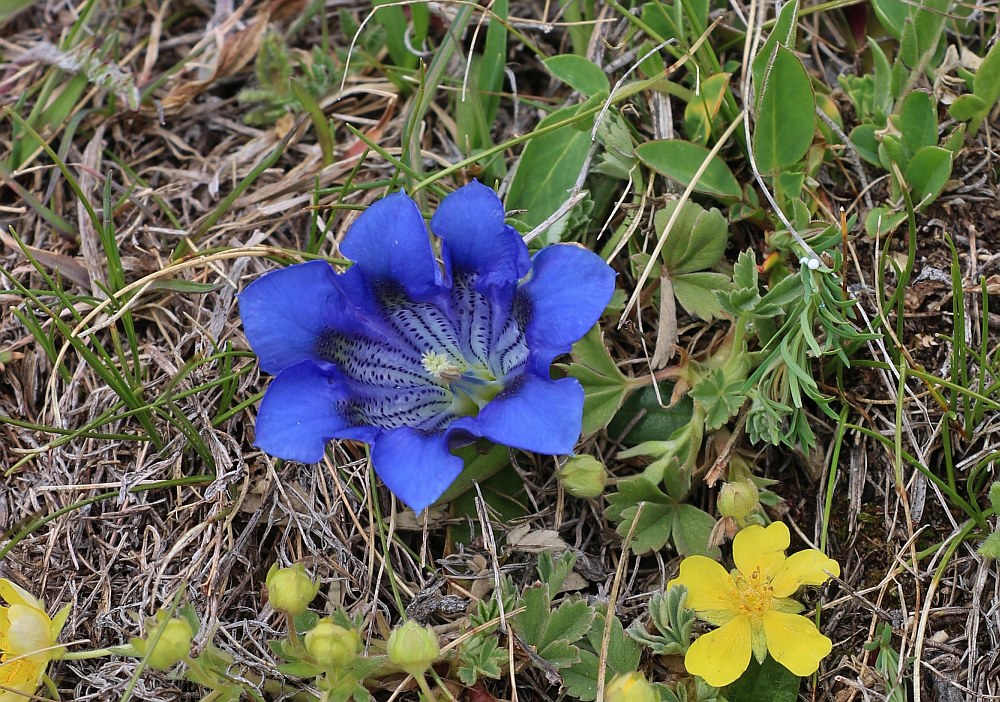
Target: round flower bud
x=172, y=646
x=332, y=645
x=738, y=499
x=290, y=590
x=583, y=476
x=630, y=687
x=413, y=647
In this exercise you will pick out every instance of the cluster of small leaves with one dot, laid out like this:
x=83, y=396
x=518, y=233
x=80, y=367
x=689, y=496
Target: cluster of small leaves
x=672, y=620
x=562, y=639
x=804, y=317
x=284, y=76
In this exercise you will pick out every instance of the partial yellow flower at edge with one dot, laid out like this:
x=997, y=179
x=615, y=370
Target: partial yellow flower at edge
x=28, y=639
x=751, y=606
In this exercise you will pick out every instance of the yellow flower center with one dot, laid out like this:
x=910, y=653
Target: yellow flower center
x=753, y=593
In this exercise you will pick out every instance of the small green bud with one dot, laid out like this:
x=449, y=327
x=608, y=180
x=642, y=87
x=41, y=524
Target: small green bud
x=583, y=476
x=630, y=687
x=738, y=499
x=332, y=645
x=290, y=590
x=995, y=495
x=171, y=647
x=413, y=647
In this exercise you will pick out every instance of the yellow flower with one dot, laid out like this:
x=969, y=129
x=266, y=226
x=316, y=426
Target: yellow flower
x=752, y=606
x=27, y=642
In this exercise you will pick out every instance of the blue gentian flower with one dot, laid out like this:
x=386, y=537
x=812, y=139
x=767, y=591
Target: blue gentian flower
x=417, y=355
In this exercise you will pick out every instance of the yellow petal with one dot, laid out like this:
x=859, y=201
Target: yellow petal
x=808, y=567
x=795, y=642
x=14, y=594
x=756, y=547
x=721, y=656
x=30, y=632
x=19, y=679
x=708, y=584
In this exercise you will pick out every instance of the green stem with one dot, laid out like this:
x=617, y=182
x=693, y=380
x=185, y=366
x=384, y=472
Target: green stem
x=425, y=688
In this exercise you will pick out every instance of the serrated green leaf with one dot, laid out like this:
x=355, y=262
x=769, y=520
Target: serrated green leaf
x=554, y=571
x=680, y=160
x=553, y=633
x=604, y=386
x=786, y=116
x=652, y=531
x=696, y=241
x=622, y=657
x=698, y=293
x=579, y=73
x=719, y=399
x=480, y=656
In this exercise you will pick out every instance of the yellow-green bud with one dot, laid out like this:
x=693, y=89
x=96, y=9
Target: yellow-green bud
x=738, y=499
x=630, y=687
x=413, y=647
x=332, y=645
x=583, y=476
x=290, y=590
x=172, y=646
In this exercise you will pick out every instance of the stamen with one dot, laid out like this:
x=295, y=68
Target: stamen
x=440, y=366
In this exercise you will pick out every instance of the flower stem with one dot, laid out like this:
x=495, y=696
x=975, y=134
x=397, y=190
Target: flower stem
x=425, y=688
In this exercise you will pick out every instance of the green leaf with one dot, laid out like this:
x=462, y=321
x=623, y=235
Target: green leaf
x=927, y=173
x=770, y=681
x=986, y=82
x=680, y=160
x=553, y=572
x=882, y=221
x=646, y=419
x=892, y=14
x=673, y=622
x=783, y=34
x=553, y=633
x=549, y=167
x=622, y=657
x=719, y=400
x=578, y=73
x=698, y=293
x=604, y=386
x=865, y=142
x=917, y=121
x=968, y=107
x=696, y=241
x=691, y=531
x=480, y=656
x=700, y=112
x=786, y=118
x=652, y=530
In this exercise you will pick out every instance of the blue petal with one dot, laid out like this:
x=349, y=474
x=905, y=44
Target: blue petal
x=302, y=410
x=285, y=312
x=416, y=466
x=533, y=414
x=390, y=244
x=567, y=291
x=470, y=220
